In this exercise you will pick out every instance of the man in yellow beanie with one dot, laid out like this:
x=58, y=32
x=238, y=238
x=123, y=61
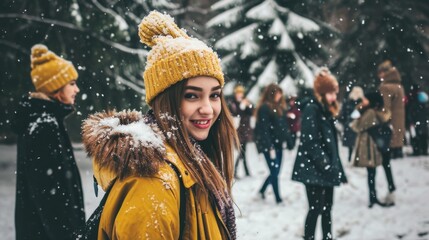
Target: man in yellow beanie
x=49, y=196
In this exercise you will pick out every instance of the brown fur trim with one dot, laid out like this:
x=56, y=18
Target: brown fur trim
x=125, y=152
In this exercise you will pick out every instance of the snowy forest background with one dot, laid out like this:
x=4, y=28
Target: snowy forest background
x=259, y=42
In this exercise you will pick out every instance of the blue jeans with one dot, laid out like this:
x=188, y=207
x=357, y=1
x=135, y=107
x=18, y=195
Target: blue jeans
x=274, y=166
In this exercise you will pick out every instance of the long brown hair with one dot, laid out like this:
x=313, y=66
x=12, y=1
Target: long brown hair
x=213, y=171
x=268, y=98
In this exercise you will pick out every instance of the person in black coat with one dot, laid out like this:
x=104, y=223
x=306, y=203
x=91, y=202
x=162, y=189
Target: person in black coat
x=49, y=196
x=242, y=110
x=271, y=133
x=349, y=105
x=318, y=163
x=417, y=120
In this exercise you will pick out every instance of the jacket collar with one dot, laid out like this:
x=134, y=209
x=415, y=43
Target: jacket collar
x=173, y=158
x=31, y=106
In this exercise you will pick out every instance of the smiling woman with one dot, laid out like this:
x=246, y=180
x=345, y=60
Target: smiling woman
x=201, y=106
x=181, y=189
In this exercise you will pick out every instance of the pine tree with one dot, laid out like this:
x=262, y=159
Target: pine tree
x=380, y=30
x=263, y=41
x=99, y=37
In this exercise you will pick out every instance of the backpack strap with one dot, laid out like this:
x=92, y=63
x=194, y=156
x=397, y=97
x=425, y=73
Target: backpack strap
x=182, y=211
x=89, y=231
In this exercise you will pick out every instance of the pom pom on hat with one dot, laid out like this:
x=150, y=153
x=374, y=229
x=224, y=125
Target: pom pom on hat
x=157, y=24
x=325, y=82
x=174, y=55
x=50, y=72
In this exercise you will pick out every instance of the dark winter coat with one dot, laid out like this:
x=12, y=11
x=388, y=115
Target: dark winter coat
x=317, y=161
x=393, y=96
x=49, y=197
x=244, y=130
x=349, y=136
x=294, y=119
x=271, y=130
x=417, y=115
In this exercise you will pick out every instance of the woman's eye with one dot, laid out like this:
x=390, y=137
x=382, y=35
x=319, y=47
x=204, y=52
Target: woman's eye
x=190, y=96
x=215, y=95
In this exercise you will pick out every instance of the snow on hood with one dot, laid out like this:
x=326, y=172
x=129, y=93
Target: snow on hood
x=124, y=143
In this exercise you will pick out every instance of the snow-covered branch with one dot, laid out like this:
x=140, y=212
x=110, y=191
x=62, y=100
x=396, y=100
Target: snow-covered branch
x=122, y=24
x=15, y=46
x=130, y=84
x=54, y=22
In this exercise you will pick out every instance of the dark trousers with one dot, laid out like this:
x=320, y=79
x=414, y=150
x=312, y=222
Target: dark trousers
x=320, y=201
x=274, y=166
x=371, y=185
x=242, y=156
x=420, y=144
x=350, y=153
x=388, y=171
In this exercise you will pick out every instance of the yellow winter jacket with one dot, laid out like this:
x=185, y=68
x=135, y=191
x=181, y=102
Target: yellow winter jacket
x=147, y=207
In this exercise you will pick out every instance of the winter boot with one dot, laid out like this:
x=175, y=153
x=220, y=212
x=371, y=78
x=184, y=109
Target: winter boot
x=390, y=198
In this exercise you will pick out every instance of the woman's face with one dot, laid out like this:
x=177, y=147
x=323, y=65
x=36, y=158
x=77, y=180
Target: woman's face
x=277, y=96
x=201, y=105
x=331, y=97
x=67, y=94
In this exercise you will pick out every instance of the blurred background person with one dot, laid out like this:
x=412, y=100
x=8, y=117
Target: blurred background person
x=393, y=95
x=349, y=105
x=417, y=120
x=366, y=152
x=271, y=132
x=294, y=118
x=318, y=165
x=49, y=196
x=242, y=111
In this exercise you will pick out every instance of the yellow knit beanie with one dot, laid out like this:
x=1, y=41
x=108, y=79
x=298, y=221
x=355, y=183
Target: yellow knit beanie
x=48, y=71
x=174, y=56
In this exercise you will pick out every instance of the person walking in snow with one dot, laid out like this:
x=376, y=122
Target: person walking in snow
x=318, y=165
x=393, y=96
x=349, y=105
x=49, y=197
x=366, y=153
x=271, y=133
x=241, y=109
x=294, y=118
x=418, y=120
x=168, y=172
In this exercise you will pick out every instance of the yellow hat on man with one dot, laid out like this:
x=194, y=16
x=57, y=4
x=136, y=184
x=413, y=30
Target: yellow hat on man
x=48, y=71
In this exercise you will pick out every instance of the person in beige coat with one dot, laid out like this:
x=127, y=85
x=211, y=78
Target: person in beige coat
x=366, y=154
x=393, y=95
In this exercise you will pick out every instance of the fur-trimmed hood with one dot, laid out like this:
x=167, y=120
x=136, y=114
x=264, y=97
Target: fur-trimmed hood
x=123, y=143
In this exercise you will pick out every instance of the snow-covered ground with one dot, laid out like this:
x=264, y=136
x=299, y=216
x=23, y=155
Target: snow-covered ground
x=258, y=219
